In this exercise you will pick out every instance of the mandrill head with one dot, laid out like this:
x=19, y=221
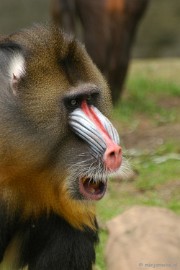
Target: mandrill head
x=57, y=145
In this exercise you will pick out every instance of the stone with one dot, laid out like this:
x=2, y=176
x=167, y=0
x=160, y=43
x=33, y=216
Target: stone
x=144, y=238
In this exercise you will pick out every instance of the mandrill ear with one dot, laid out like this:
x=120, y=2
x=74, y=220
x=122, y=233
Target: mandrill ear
x=16, y=71
x=12, y=64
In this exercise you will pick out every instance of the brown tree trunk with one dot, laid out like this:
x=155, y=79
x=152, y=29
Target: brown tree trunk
x=108, y=28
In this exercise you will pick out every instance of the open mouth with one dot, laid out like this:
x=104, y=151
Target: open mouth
x=92, y=189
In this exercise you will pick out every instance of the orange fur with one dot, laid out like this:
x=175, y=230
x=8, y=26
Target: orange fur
x=40, y=193
x=54, y=65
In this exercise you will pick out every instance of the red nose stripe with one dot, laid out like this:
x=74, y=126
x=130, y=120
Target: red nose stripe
x=113, y=154
x=93, y=117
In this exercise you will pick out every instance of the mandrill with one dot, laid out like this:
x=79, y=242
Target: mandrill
x=57, y=149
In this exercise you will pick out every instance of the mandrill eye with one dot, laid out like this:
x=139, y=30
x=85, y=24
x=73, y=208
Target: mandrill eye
x=73, y=102
x=89, y=99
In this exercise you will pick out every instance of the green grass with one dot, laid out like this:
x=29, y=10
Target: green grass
x=143, y=97
x=151, y=99
x=150, y=177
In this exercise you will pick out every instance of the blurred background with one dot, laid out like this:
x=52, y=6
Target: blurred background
x=147, y=115
x=158, y=35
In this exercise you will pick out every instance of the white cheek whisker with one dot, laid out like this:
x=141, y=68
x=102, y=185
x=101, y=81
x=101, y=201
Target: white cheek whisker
x=90, y=167
x=93, y=168
x=123, y=171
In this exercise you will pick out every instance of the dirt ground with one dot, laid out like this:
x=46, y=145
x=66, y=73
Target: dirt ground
x=147, y=136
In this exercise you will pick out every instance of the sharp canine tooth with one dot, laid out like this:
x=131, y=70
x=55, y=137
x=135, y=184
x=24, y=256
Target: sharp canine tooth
x=83, y=179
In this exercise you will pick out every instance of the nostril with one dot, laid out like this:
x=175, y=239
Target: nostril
x=112, y=154
x=115, y=152
x=113, y=157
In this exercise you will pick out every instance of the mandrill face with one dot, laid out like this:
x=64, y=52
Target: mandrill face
x=57, y=144
x=104, y=154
